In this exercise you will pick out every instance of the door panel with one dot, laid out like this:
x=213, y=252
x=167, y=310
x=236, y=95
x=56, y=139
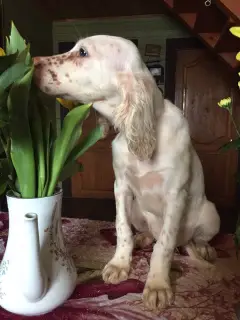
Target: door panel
x=97, y=179
x=200, y=84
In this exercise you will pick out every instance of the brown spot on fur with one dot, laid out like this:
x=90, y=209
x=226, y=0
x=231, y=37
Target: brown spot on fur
x=67, y=75
x=53, y=75
x=74, y=57
x=46, y=89
x=58, y=83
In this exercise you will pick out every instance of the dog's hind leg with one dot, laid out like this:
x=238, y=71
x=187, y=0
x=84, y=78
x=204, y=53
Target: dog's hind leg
x=207, y=227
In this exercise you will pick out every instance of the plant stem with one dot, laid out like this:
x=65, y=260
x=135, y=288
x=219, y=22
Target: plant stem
x=234, y=123
x=3, y=142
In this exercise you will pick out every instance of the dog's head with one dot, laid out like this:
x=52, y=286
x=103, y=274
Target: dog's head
x=99, y=68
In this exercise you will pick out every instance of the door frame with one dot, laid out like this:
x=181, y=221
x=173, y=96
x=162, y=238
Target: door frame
x=172, y=47
x=228, y=215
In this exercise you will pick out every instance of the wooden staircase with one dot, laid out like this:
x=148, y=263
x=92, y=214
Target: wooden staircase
x=211, y=23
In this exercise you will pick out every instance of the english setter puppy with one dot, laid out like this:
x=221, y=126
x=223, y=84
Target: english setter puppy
x=159, y=183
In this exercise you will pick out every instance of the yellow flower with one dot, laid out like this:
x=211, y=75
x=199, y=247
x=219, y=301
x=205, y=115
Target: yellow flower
x=2, y=52
x=238, y=56
x=66, y=103
x=235, y=31
x=225, y=103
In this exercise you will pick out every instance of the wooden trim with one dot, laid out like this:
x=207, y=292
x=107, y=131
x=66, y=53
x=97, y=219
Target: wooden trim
x=77, y=20
x=231, y=7
x=172, y=46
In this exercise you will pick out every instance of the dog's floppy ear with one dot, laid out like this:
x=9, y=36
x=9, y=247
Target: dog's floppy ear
x=135, y=116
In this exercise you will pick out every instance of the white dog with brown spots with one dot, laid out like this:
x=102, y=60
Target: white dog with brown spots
x=159, y=183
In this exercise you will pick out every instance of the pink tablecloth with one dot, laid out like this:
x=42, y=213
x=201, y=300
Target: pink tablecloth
x=198, y=295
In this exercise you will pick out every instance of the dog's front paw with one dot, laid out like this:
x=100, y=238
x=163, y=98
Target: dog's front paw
x=157, y=296
x=115, y=274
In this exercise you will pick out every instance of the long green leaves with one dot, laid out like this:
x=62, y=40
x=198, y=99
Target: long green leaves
x=38, y=144
x=65, y=142
x=35, y=158
x=22, y=152
x=15, y=42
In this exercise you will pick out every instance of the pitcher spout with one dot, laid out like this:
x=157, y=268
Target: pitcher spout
x=34, y=276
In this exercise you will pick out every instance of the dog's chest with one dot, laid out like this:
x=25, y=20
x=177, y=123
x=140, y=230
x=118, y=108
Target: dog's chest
x=142, y=177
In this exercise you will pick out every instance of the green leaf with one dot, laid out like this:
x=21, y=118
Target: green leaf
x=7, y=61
x=47, y=119
x=12, y=74
x=2, y=152
x=49, y=134
x=72, y=166
x=22, y=152
x=38, y=144
x=85, y=144
x=66, y=141
x=15, y=42
x=25, y=57
x=70, y=169
x=234, y=144
x=4, y=172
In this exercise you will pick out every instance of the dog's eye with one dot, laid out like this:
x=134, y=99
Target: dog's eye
x=83, y=52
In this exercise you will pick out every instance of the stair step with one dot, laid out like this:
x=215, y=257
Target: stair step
x=231, y=7
x=189, y=18
x=211, y=38
x=210, y=19
x=169, y=3
x=186, y=6
x=228, y=42
x=230, y=58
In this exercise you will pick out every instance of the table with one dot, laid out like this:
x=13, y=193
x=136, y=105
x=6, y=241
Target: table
x=198, y=294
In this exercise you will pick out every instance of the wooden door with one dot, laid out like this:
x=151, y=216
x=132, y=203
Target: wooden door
x=97, y=179
x=200, y=82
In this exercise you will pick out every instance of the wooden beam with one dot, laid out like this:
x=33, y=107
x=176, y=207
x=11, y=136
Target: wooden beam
x=230, y=58
x=169, y=3
x=189, y=19
x=231, y=7
x=210, y=19
x=186, y=6
x=211, y=38
x=227, y=42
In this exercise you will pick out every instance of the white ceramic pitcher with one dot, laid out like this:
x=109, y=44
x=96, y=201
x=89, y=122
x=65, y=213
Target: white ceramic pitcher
x=36, y=274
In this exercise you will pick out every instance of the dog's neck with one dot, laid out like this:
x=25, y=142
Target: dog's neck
x=106, y=107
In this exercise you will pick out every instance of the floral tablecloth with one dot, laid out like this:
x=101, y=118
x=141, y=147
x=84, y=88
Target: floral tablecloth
x=198, y=295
